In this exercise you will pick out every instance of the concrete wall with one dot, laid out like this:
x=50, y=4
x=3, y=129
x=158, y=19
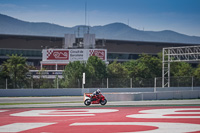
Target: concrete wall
x=152, y=95
x=65, y=92
x=112, y=94
x=39, y=92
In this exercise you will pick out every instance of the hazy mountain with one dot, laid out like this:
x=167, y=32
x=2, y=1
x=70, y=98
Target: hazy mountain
x=118, y=31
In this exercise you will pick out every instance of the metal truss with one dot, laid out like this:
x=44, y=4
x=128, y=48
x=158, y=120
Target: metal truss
x=177, y=54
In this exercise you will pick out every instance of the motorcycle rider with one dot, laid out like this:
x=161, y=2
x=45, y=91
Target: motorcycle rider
x=95, y=94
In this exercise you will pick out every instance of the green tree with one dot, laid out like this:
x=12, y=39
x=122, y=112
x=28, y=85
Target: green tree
x=95, y=72
x=178, y=69
x=197, y=76
x=146, y=66
x=96, y=68
x=118, y=75
x=149, y=65
x=197, y=72
x=181, y=69
x=73, y=74
x=3, y=77
x=181, y=73
x=117, y=70
x=131, y=66
x=41, y=81
x=143, y=70
x=15, y=68
x=47, y=83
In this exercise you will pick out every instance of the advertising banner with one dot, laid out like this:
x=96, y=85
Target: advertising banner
x=73, y=54
x=77, y=55
x=52, y=54
x=99, y=53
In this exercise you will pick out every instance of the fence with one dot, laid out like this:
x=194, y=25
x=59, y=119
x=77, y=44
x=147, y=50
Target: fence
x=102, y=83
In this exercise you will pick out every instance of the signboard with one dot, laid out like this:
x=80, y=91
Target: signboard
x=77, y=55
x=52, y=54
x=72, y=54
x=99, y=53
x=49, y=74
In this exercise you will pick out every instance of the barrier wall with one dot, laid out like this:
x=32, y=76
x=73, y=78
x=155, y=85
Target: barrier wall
x=152, y=96
x=112, y=94
x=39, y=92
x=65, y=91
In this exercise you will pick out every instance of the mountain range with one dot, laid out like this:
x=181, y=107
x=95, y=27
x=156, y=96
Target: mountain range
x=116, y=31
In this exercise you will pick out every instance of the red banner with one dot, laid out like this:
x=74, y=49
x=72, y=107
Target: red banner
x=98, y=53
x=57, y=55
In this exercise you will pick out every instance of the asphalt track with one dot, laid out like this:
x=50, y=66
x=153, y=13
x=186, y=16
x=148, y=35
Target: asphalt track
x=175, y=116
x=40, y=99
x=77, y=101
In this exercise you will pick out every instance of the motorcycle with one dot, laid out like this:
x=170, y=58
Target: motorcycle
x=98, y=99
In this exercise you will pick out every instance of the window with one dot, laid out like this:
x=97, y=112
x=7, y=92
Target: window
x=61, y=67
x=49, y=66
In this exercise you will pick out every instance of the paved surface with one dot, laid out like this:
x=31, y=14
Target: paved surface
x=78, y=102
x=161, y=116
x=40, y=99
x=156, y=119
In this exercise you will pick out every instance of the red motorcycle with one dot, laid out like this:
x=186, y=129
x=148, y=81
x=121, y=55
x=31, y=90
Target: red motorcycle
x=97, y=99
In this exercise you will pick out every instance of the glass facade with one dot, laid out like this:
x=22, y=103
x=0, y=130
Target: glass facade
x=33, y=56
x=25, y=53
x=49, y=67
x=122, y=56
x=61, y=67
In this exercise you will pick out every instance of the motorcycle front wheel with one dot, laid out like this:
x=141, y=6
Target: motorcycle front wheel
x=103, y=102
x=87, y=102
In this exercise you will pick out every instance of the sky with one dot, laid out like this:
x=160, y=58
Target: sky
x=182, y=16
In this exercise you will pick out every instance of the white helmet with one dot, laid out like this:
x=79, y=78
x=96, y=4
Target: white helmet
x=99, y=91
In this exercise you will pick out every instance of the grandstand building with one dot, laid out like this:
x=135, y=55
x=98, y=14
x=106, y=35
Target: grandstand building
x=31, y=47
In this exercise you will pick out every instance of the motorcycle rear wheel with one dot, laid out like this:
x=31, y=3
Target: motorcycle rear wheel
x=103, y=102
x=87, y=102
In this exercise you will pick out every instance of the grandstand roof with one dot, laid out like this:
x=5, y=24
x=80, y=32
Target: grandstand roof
x=113, y=46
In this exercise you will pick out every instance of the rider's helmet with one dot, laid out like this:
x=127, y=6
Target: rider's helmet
x=99, y=91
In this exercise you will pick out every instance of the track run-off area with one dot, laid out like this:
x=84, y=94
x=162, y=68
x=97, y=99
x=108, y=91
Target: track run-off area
x=98, y=119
